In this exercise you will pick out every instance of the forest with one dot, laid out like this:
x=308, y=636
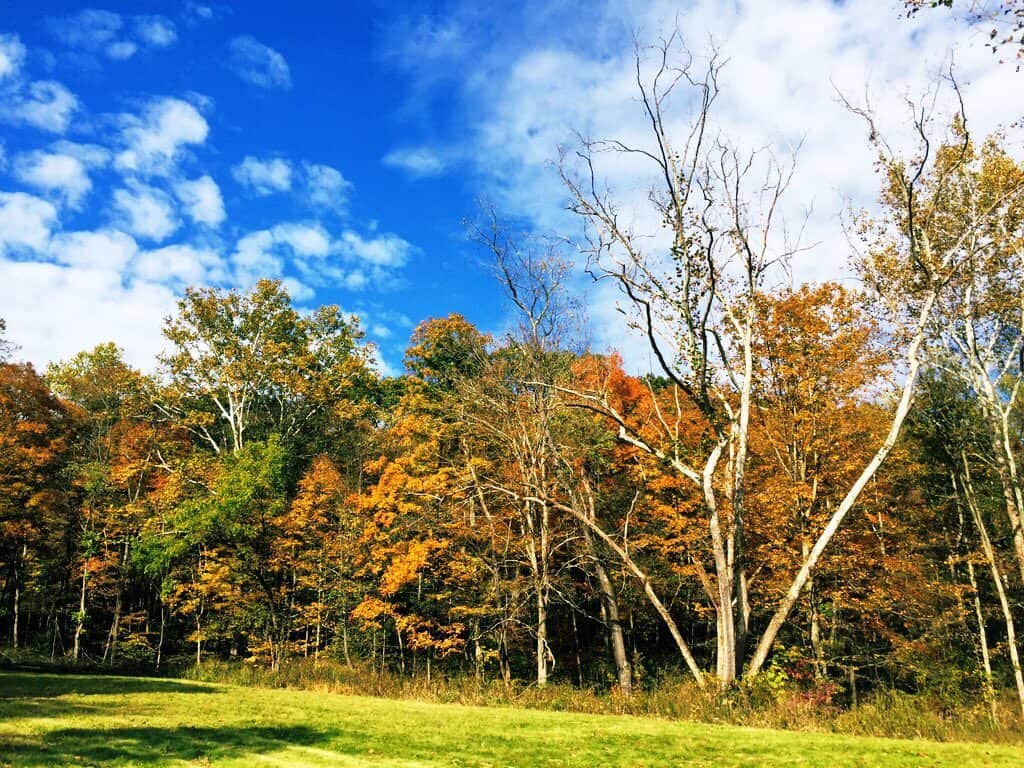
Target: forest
x=814, y=487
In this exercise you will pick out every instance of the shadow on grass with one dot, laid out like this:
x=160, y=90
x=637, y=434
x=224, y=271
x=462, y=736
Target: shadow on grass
x=24, y=695
x=149, y=746
x=18, y=685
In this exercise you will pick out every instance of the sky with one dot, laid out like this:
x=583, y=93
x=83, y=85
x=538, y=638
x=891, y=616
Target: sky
x=150, y=146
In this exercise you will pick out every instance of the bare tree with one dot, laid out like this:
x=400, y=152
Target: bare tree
x=693, y=296
x=518, y=417
x=1002, y=21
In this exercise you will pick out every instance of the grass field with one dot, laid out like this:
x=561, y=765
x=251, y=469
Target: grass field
x=56, y=720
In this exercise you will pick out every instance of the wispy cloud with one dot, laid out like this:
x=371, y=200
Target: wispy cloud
x=12, y=56
x=327, y=188
x=43, y=104
x=383, y=250
x=157, y=31
x=418, y=162
x=525, y=85
x=197, y=13
x=264, y=176
x=108, y=34
x=258, y=64
x=90, y=29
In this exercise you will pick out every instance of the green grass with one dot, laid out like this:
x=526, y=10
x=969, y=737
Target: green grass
x=55, y=720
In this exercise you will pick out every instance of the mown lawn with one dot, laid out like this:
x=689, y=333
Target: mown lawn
x=56, y=720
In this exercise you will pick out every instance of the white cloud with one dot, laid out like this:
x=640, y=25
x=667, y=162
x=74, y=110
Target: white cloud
x=62, y=174
x=304, y=239
x=297, y=289
x=145, y=212
x=264, y=253
x=102, y=249
x=56, y=311
x=25, y=222
x=180, y=264
x=43, y=104
x=418, y=162
x=258, y=64
x=156, y=31
x=307, y=249
x=202, y=200
x=90, y=155
x=254, y=257
x=12, y=56
x=156, y=139
x=264, y=177
x=327, y=188
x=385, y=250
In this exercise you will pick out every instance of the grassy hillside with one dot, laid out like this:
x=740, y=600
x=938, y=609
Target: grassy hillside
x=51, y=720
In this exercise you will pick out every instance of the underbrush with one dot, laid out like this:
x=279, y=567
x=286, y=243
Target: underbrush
x=765, y=702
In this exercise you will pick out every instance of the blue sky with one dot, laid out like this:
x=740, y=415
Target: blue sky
x=309, y=135
x=147, y=146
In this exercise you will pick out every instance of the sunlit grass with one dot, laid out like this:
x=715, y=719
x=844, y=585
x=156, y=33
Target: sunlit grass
x=55, y=720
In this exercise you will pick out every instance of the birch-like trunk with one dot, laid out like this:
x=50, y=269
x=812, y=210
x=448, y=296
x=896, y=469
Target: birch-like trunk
x=80, y=624
x=612, y=618
x=986, y=660
x=896, y=425
x=998, y=579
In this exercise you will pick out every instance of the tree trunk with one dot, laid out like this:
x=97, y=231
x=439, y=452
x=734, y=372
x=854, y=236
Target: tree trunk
x=616, y=636
x=576, y=649
x=1006, y=469
x=649, y=591
x=110, y=651
x=17, y=612
x=80, y=624
x=814, y=620
x=998, y=579
x=199, y=641
x=895, y=427
x=316, y=638
x=19, y=576
x=344, y=643
x=986, y=661
x=542, y=639
x=160, y=642
x=612, y=617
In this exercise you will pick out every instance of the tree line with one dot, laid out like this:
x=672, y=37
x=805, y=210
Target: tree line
x=819, y=480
